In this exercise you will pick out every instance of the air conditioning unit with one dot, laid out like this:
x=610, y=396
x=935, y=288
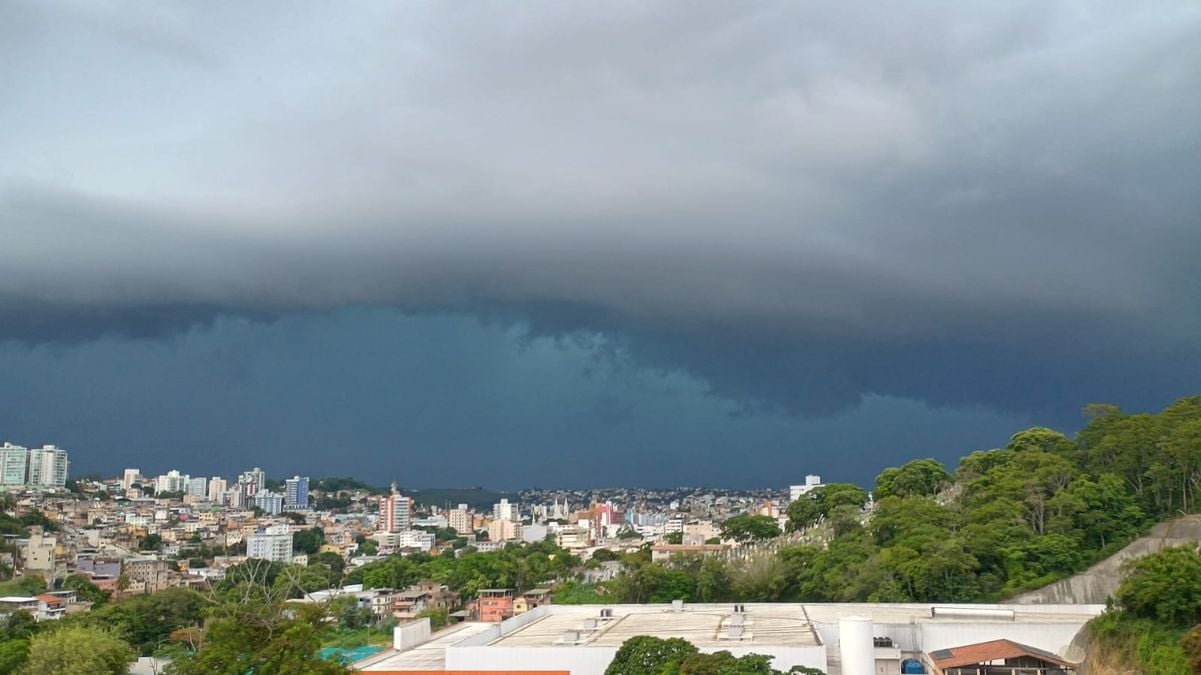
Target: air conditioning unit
x=677, y=605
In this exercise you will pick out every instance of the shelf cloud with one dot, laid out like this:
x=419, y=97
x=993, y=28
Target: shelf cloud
x=801, y=204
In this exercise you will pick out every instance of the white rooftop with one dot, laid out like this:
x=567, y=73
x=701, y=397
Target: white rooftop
x=428, y=656
x=701, y=624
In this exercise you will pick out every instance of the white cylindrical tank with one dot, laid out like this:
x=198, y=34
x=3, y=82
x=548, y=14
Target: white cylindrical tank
x=856, y=646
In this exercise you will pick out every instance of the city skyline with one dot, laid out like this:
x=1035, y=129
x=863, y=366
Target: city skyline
x=680, y=244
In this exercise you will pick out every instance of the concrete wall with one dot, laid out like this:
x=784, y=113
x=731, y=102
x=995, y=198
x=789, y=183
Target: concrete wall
x=578, y=660
x=784, y=657
x=592, y=660
x=1052, y=637
x=504, y=628
x=409, y=635
x=1098, y=582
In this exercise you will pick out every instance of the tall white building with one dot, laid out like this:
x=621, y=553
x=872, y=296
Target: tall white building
x=130, y=477
x=197, y=487
x=273, y=543
x=14, y=464
x=392, y=542
x=172, y=481
x=506, y=511
x=217, y=488
x=256, y=477
x=296, y=493
x=395, y=512
x=461, y=520
x=812, y=482
x=270, y=502
x=48, y=467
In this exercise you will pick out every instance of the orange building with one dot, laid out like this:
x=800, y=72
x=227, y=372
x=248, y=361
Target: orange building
x=495, y=604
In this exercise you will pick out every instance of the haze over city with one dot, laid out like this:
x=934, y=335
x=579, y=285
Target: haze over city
x=669, y=244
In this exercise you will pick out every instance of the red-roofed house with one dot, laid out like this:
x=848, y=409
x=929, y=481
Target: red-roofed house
x=998, y=657
x=50, y=607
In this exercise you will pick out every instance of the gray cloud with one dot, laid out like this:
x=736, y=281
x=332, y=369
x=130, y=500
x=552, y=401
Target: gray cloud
x=976, y=203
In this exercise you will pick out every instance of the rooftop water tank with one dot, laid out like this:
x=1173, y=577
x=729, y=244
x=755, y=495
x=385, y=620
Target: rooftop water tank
x=856, y=646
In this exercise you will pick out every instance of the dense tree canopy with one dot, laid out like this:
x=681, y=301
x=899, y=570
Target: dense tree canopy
x=146, y=621
x=514, y=566
x=1164, y=586
x=1005, y=521
x=71, y=650
x=647, y=655
x=815, y=506
x=85, y=590
x=745, y=528
x=308, y=540
x=921, y=477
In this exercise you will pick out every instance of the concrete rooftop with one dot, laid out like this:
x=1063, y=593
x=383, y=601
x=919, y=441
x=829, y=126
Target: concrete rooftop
x=428, y=656
x=702, y=625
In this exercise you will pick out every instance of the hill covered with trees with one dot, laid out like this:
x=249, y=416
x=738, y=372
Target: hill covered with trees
x=1004, y=521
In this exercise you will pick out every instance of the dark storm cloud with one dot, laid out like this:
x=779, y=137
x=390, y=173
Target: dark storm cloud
x=801, y=203
x=434, y=401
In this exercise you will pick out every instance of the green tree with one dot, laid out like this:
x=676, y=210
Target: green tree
x=71, y=650
x=1165, y=586
x=308, y=541
x=248, y=628
x=366, y=546
x=1042, y=439
x=18, y=625
x=713, y=582
x=85, y=590
x=576, y=593
x=921, y=477
x=673, y=538
x=725, y=663
x=646, y=655
x=13, y=655
x=813, y=507
x=146, y=621
x=296, y=580
x=1191, y=644
x=762, y=578
x=39, y=519
x=23, y=586
x=331, y=561
x=605, y=554
x=745, y=528
x=439, y=617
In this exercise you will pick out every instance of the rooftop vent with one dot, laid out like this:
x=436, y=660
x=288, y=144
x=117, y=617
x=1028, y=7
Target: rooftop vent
x=738, y=620
x=606, y=613
x=571, y=636
x=735, y=633
x=677, y=605
x=590, y=624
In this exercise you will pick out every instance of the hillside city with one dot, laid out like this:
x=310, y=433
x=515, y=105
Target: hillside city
x=1009, y=560
x=153, y=530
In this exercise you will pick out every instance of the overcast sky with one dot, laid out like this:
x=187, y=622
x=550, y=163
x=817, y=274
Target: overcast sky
x=555, y=243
